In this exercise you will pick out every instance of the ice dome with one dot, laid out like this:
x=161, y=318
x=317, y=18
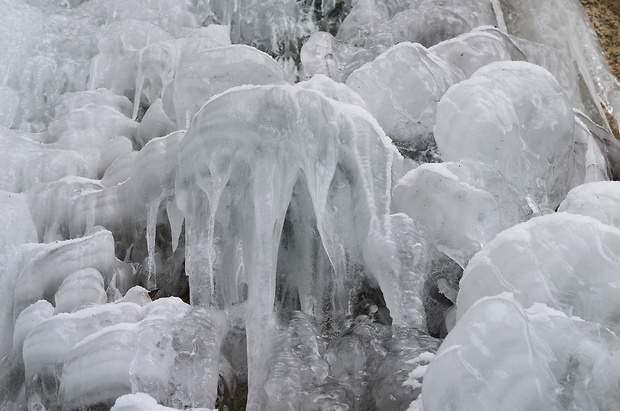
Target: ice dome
x=307, y=205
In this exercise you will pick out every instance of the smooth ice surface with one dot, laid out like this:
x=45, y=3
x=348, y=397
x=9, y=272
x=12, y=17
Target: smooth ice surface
x=573, y=272
x=211, y=72
x=164, y=349
x=512, y=116
x=599, y=200
x=143, y=402
x=473, y=50
x=459, y=217
x=401, y=87
x=564, y=28
x=490, y=360
x=80, y=289
x=502, y=355
x=17, y=224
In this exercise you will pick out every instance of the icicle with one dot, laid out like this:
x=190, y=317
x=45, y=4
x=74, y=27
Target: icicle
x=175, y=218
x=152, y=210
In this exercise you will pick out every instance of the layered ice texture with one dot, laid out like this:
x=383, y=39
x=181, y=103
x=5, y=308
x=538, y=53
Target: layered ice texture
x=307, y=205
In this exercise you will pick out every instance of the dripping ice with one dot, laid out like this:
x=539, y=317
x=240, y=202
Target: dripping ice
x=286, y=205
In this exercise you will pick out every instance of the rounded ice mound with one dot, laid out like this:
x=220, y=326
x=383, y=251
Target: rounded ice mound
x=459, y=217
x=474, y=50
x=501, y=356
x=117, y=40
x=556, y=259
x=401, y=88
x=27, y=163
x=490, y=361
x=79, y=289
x=17, y=224
x=324, y=54
x=143, y=402
x=329, y=88
x=145, y=73
x=213, y=71
x=378, y=22
x=93, y=356
x=600, y=200
x=515, y=117
x=424, y=25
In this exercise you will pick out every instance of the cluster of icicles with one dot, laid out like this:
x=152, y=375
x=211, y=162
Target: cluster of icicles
x=392, y=205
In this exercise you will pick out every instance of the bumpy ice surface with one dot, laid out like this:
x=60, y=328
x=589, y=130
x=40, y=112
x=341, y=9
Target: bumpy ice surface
x=302, y=205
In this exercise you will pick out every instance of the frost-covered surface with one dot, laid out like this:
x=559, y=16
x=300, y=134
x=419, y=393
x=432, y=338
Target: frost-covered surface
x=304, y=205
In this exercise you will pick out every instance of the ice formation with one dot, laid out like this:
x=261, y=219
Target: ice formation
x=307, y=205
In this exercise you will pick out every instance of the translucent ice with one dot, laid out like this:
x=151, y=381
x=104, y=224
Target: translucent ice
x=213, y=71
x=70, y=207
x=27, y=163
x=324, y=54
x=147, y=71
x=459, y=218
x=97, y=354
x=426, y=22
x=238, y=174
x=599, y=200
x=329, y=88
x=155, y=187
x=491, y=360
x=36, y=280
x=17, y=225
x=401, y=88
x=476, y=49
x=426, y=26
x=117, y=40
x=512, y=116
x=80, y=289
x=555, y=259
x=501, y=355
x=324, y=247
x=143, y=402
x=564, y=28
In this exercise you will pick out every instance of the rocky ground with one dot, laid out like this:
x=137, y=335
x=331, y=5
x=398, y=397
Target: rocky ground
x=605, y=16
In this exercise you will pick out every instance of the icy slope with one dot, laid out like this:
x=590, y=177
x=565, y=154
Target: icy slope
x=306, y=205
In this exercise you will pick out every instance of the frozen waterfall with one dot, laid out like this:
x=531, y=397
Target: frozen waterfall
x=307, y=205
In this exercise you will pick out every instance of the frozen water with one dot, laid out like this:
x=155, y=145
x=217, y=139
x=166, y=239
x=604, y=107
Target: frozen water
x=569, y=39
x=459, y=218
x=476, y=49
x=127, y=348
x=521, y=359
x=491, y=353
x=143, y=402
x=338, y=160
x=211, y=72
x=401, y=88
x=572, y=273
x=514, y=117
x=80, y=289
x=306, y=205
x=598, y=200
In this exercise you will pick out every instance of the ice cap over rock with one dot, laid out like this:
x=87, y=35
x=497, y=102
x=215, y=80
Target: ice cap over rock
x=515, y=117
x=401, y=88
x=501, y=355
x=477, y=48
x=459, y=217
x=214, y=71
x=599, y=200
x=556, y=259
